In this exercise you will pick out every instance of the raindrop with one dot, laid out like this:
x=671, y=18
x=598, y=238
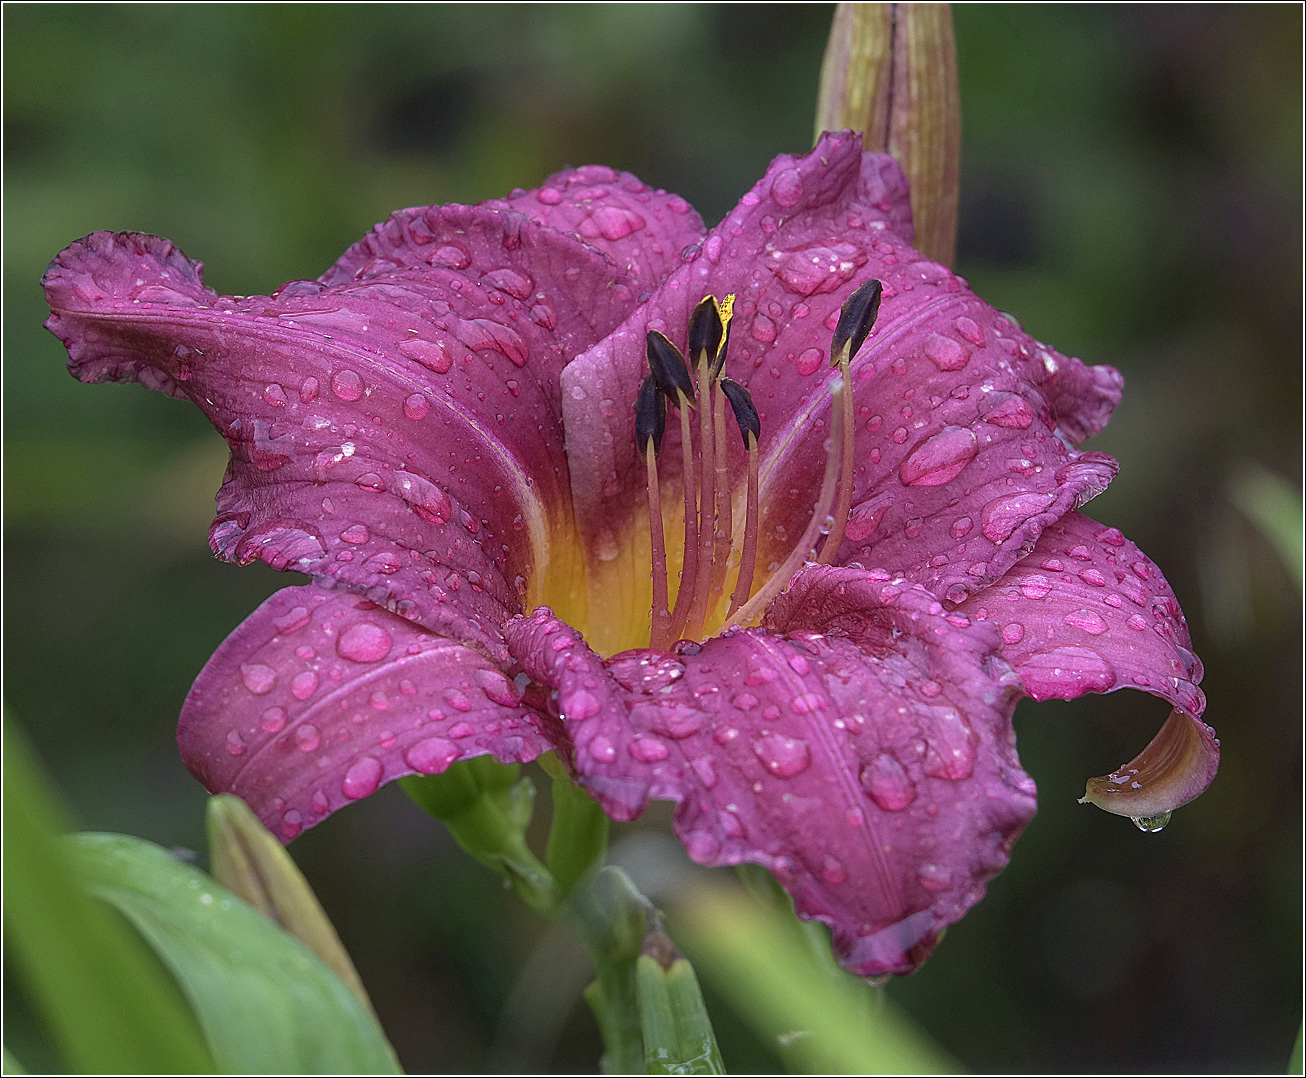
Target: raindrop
x=940, y=458
x=416, y=407
x=235, y=743
x=347, y=385
x=273, y=719
x=427, y=353
x=610, y=223
x=783, y=756
x=304, y=685
x=432, y=755
x=307, y=737
x=602, y=750
x=888, y=783
x=364, y=643
x=258, y=678
x=648, y=750
x=787, y=188
x=809, y=361
x=362, y=778
x=945, y=353
x=1151, y=824
x=356, y=534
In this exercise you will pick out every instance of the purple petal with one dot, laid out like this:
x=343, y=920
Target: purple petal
x=642, y=230
x=319, y=697
x=963, y=421
x=1087, y=611
x=396, y=426
x=874, y=773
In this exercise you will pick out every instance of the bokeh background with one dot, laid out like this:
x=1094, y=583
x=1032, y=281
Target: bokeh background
x=1131, y=189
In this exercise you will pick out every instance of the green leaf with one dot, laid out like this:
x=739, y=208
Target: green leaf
x=108, y=1003
x=265, y=1002
x=824, y=1022
x=1275, y=507
x=1296, y=1059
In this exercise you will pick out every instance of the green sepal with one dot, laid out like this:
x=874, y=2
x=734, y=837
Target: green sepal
x=578, y=835
x=487, y=809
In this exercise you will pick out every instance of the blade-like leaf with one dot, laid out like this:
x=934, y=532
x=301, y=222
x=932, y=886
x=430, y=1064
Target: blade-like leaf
x=109, y=1005
x=265, y=1002
x=824, y=1022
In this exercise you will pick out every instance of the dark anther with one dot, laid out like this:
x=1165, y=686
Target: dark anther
x=856, y=318
x=650, y=415
x=669, y=369
x=742, y=404
x=705, y=331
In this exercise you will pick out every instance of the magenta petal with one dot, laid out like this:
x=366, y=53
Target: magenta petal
x=368, y=417
x=319, y=697
x=874, y=775
x=963, y=422
x=642, y=230
x=1087, y=611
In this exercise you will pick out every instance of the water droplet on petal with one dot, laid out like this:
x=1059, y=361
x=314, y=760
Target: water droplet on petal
x=273, y=719
x=416, y=407
x=940, y=458
x=934, y=877
x=809, y=361
x=610, y=223
x=258, y=678
x=945, y=353
x=579, y=705
x=1004, y=515
x=888, y=783
x=356, y=534
x=648, y=750
x=1035, y=586
x=432, y=755
x=304, y=685
x=235, y=743
x=1151, y=824
x=833, y=871
x=347, y=384
x=427, y=353
x=364, y=643
x=292, y=823
x=702, y=846
x=362, y=778
x=1088, y=620
x=307, y=737
x=602, y=749
x=783, y=756
x=787, y=188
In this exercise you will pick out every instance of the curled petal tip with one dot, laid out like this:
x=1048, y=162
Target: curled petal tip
x=1177, y=765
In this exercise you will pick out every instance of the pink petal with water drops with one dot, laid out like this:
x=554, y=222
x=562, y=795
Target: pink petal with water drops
x=387, y=699
x=644, y=231
x=1087, y=611
x=960, y=416
x=410, y=398
x=872, y=771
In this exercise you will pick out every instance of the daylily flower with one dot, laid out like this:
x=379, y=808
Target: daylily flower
x=441, y=432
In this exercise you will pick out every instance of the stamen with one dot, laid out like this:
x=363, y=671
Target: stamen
x=724, y=530
x=841, y=444
x=856, y=318
x=660, y=616
x=781, y=577
x=706, y=501
x=689, y=567
x=750, y=427
x=650, y=423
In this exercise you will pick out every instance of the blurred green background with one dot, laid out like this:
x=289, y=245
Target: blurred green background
x=1131, y=189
